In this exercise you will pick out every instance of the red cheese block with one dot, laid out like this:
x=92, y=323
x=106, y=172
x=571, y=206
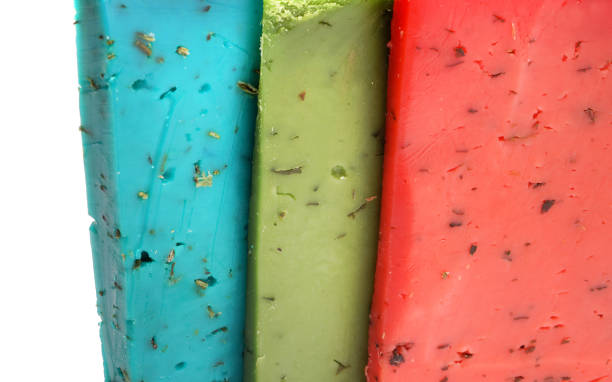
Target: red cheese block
x=495, y=259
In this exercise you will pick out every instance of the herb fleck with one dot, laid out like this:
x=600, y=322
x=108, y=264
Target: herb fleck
x=124, y=375
x=507, y=255
x=465, y=354
x=201, y=180
x=247, y=88
x=169, y=91
x=182, y=51
x=353, y=213
x=221, y=329
x=170, y=256
x=83, y=130
x=290, y=171
x=473, y=249
x=341, y=367
x=546, y=205
x=590, y=113
x=93, y=84
x=145, y=48
x=460, y=51
x=212, y=313
x=497, y=18
x=536, y=185
x=396, y=357
x=148, y=37
x=144, y=259
x=598, y=288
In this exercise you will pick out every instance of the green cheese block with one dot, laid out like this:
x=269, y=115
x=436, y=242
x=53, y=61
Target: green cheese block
x=314, y=207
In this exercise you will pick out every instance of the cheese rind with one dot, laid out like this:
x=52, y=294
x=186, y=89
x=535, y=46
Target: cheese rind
x=493, y=262
x=314, y=214
x=167, y=142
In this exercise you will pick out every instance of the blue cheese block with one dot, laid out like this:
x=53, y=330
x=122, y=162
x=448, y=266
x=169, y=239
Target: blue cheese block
x=168, y=109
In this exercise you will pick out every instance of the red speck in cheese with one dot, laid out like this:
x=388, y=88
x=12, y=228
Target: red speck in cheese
x=495, y=259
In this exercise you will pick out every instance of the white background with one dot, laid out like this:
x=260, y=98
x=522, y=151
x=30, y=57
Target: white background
x=48, y=319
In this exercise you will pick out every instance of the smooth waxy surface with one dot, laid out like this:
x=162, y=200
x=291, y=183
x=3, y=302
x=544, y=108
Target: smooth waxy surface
x=167, y=144
x=316, y=186
x=494, y=258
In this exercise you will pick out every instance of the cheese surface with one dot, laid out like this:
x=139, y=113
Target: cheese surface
x=494, y=259
x=167, y=119
x=317, y=165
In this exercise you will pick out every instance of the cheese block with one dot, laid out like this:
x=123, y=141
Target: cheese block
x=317, y=166
x=494, y=259
x=167, y=118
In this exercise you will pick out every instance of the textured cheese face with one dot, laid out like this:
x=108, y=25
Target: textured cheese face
x=316, y=190
x=494, y=260
x=167, y=126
